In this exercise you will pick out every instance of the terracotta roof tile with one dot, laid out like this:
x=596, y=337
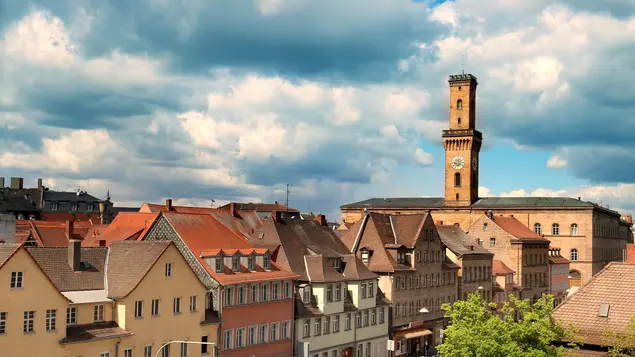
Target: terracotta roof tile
x=459, y=242
x=7, y=250
x=125, y=226
x=499, y=268
x=614, y=286
x=54, y=263
x=92, y=332
x=514, y=227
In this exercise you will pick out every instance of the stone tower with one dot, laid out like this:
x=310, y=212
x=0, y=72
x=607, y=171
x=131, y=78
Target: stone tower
x=462, y=143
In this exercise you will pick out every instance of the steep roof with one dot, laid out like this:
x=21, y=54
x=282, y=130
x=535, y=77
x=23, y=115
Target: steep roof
x=499, y=268
x=129, y=262
x=611, y=288
x=53, y=233
x=304, y=245
x=7, y=250
x=201, y=232
x=13, y=201
x=125, y=226
x=514, y=227
x=54, y=263
x=459, y=242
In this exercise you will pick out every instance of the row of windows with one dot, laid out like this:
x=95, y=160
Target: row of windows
x=414, y=308
x=534, y=259
x=424, y=281
x=535, y=280
x=555, y=229
x=165, y=352
x=155, y=306
x=331, y=324
x=255, y=293
x=473, y=274
x=71, y=314
x=360, y=351
x=74, y=206
x=256, y=334
x=28, y=326
x=219, y=263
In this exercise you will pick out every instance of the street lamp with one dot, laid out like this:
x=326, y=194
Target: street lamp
x=424, y=310
x=480, y=287
x=186, y=342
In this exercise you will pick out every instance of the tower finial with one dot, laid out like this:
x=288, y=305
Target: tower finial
x=463, y=63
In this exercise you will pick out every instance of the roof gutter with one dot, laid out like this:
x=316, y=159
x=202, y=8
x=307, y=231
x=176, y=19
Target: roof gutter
x=359, y=234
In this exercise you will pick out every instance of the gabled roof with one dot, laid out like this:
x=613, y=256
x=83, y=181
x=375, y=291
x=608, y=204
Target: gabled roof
x=612, y=287
x=201, y=232
x=129, y=262
x=125, y=226
x=499, y=268
x=515, y=228
x=304, y=247
x=54, y=263
x=459, y=242
x=7, y=250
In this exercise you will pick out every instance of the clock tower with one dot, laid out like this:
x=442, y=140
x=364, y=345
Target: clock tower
x=462, y=143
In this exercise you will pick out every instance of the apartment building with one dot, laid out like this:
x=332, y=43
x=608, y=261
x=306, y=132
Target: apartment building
x=504, y=285
x=475, y=262
x=246, y=289
x=340, y=310
x=558, y=276
x=415, y=274
x=519, y=248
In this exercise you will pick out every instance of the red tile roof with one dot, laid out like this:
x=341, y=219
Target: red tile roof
x=7, y=250
x=514, y=227
x=244, y=252
x=125, y=226
x=499, y=268
x=53, y=233
x=202, y=232
x=65, y=216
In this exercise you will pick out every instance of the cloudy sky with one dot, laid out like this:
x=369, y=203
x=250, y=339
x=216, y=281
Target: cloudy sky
x=344, y=100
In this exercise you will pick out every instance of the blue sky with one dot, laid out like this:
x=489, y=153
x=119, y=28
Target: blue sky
x=201, y=99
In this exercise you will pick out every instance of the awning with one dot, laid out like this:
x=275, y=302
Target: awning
x=412, y=333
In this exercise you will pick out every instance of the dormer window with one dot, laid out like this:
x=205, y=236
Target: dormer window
x=55, y=205
x=401, y=257
x=306, y=294
x=266, y=262
x=251, y=263
x=91, y=207
x=218, y=264
x=235, y=264
x=336, y=263
x=365, y=255
x=74, y=206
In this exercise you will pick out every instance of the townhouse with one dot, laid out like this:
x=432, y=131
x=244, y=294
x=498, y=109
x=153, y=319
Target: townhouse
x=519, y=248
x=503, y=284
x=407, y=253
x=247, y=290
x=475, y=262
x=340, y=310
x=125, y=300
x=558, y=276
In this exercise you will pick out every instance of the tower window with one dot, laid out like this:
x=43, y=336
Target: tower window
x=457, y=196
x=459, y=104
x=457, y=180
x=459, y=87
x=459, y=121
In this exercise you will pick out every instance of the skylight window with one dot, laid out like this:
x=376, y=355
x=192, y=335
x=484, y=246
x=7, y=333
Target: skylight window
x=604, y=310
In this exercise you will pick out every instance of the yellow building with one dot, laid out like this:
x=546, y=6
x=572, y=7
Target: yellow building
x=127, y=300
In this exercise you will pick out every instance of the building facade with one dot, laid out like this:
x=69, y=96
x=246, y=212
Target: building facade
x=559, y=281
x=407, y=253
x=339, y=308
x=592, y=234
x=504, y=285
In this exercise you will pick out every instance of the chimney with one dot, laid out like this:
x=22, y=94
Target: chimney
x=579, y=198
x=69, y=229
x=17, y=183
x=74, y=254
x=276, y=202
x=102, y=242
x=277, y=216
x=39, y=184
x=168, y=204
x=232, y=209
x=320, y=219
x=102, y=212
x=1, y=182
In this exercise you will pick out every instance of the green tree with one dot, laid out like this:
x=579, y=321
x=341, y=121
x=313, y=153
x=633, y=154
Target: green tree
x=476, y=330
x=621, y=344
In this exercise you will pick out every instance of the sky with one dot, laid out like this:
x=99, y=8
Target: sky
x=202, y=100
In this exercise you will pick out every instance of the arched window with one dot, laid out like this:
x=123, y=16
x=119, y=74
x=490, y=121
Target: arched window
x=537, y=228
x=574, y=229
x=555, y=229
x=459, y=104
x=459, y=121
x=457, y=180
x=574, y=255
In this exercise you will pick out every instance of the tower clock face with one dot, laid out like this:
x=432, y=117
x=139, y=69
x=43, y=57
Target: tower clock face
x=458, y=162
x=474, y=163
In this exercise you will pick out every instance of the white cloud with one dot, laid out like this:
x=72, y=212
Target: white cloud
x=423, y=158
x=556, y=162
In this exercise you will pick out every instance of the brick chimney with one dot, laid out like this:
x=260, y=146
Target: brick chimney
x=39, y=184
x=17, y=183
x=102, y=242
x=630, y=253
x=168, y=204
x=320, y=219
x=232, y=209
x=69, y=229
x=75, y=254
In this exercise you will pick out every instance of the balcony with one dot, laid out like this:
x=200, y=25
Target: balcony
x=211, y=317
x=462, y=132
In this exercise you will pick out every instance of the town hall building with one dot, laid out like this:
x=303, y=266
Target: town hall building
x=588, y=234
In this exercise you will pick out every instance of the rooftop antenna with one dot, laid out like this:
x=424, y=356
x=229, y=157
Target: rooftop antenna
x=463, y=63
x=288, y=193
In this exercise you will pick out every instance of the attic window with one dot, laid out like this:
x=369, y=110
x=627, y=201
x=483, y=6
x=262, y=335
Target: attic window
x=235, y=264
x=261, y=235
x=401, y=257
x=55, y=205
x=266, y=262
x=91, y=207
x=251, y=263
x=604, y=310
x=85, y=266
x=218, y=264
x=74, y=206
x=336, y=263
x=365, y=255
x=306, y=294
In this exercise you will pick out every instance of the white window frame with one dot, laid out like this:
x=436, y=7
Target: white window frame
x=228, y=339
x=176, y=307
x=306, y=294
x=155, y=307
x=492, y=242
x=51, y=320
x=336, y=323
x=228, y=296
x=254, y=292
x=275, y=291
x=168, y=270
x=127, y=352
x=285, y=333
x=242, y=295
x=98, y=313
x=338, y=291
x=306, y=328
x=193, y=303
x=263, y=335
x=29, y=322
x=104, y=354
x=274, y=332
x=147, y=351
x=184, y=350
x=286, y=290
x=138, y=309
x=251, y=263
x=264, y=289
x=252, y=335
x=17, y=280
x=3, y=322
x=71, y=315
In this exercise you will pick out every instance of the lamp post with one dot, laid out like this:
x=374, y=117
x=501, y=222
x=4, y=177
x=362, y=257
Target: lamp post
x=425, y=343
x=186, y=342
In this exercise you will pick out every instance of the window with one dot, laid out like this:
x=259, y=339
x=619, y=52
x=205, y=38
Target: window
x=537, y=228
x=492, y=242
x=457, y=180
x=334, y=353
x=218, y=264
x=29, y=316
x=555, y=229
x=71, y=315
x=252, y=335
x=17, y=279
x=459, y=104
x=403, y=282
x=263, y=333
x=166, y=351
x=177, y=305
x=204, y=345
x=457, y=197
x=484, y=227
x=363, y=293
x=365, y=256
x=228, y=339
x=242, y=295
x=360, y=349
x=326, y=328
x=347, y=322
x=168, y=270
x=51, y=320
x=229, y=296
x=183, y=349
x=235, y=267
x=127, y=352
x=574, y=229
x=317, y=327
x=574, y=254
x=193, y=303
x=265, y=292
x=3, y=323
x=275, y=291
x=286, y=329
x=371, y=289
x=381, y=316
x=155, y=307
x=266, y=262
x=307, y=328
x=286, y=290
x=373, y=317
x=329, y=293
x=367, y=349
x=147, y=351
x=240, y=337
x=251, y=263
x=358, y=319
x=55, y=205
x=98, y=313
x=275, y=331
x=104, y=354
x=74, y=206
x=138, y=309
x=459, y=120
x=338, y=292
x=254, y=293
